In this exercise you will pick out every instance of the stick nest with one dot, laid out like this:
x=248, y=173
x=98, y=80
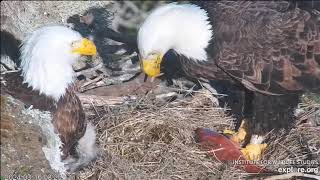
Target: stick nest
x=151, y=140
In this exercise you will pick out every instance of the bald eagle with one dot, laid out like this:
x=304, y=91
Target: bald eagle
x=45, y=81
x=270, y=48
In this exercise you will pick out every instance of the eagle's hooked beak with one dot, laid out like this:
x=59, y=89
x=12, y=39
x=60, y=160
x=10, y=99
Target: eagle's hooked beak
x=151, y=66
x=84, y=47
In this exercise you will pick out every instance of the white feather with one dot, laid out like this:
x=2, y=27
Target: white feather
x=46, y=60
x=86, y=149
x=87, y=144
x=184, y=28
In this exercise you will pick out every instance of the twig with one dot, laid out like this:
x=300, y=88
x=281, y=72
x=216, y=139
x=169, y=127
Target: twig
x=5, y=66
x=95, y=109
x=211, y=89
x=98, y=84
x=103, y=100
x=100, y=65
x=100, y=77
x=166, y=95
x=11, y=71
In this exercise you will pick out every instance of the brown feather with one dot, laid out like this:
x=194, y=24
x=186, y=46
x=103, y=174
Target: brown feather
x=69, y=121
x=68, y=116
x=271, y=47
x=12, y=84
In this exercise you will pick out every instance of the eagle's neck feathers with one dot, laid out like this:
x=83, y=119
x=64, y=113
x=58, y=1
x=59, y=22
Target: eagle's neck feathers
x=49, y=79
x=183, y=28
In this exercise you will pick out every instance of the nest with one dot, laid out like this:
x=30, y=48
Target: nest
x=146, y=140
x=151, y=140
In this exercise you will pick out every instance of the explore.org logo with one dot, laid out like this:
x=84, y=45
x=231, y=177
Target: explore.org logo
x=284, y=166
x=311, y=170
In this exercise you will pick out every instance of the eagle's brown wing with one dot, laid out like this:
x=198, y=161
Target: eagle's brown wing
x=69, y=121
x=271, y=47
x=68, y=115
x=12, y=84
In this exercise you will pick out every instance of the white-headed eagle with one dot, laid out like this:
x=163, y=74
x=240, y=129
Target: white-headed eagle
x=270, y=48
x=46, y=82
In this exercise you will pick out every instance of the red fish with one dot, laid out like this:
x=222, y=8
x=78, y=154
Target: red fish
x=225, y=150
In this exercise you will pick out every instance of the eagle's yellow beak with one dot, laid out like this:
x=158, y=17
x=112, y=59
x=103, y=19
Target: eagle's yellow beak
x=84, y=47
x=152, y=66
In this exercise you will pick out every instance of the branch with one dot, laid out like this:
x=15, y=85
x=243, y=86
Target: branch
x=90, y=70
x=95, y=100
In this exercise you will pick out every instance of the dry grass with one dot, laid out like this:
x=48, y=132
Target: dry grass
x=151, y=140
x=147, y=141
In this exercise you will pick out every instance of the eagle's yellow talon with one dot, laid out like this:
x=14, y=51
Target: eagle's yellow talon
x=239, y=136
x=228, y=132
x=254, y=152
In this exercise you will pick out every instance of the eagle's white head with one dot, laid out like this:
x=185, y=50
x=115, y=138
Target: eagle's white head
x=47, y=56
x=184, y=28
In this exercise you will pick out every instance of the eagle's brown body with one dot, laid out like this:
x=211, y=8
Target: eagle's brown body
x=69, y=121
x=272, y=49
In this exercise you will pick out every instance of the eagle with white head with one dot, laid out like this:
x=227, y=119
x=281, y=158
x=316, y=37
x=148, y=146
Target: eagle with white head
x=269, y=49
x=46, y=82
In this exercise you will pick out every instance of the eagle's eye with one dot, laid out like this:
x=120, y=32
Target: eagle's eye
x=152, y=55
x=75, y=44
